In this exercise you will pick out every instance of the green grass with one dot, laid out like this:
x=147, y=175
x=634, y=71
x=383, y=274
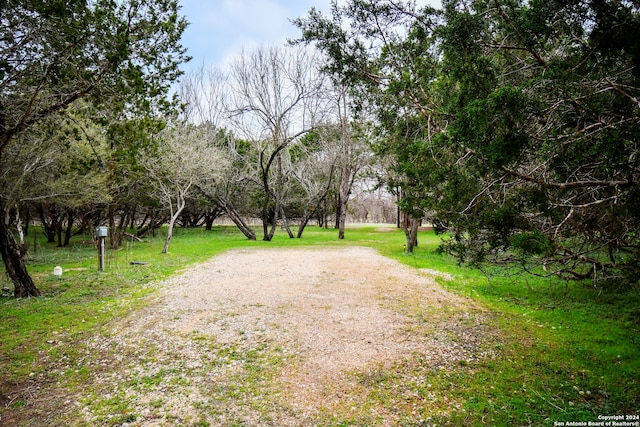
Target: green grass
x=570, y=352
x=566, y=352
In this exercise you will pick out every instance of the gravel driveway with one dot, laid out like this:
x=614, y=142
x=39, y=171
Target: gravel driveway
x=273, y=337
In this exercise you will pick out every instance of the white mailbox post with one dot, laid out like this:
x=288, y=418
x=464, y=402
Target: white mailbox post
x=101, y=234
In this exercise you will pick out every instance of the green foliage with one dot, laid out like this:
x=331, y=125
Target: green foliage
x=503, y=119
x=578, y=156
x=495, y=125
x=67, y=69
x=533, y=243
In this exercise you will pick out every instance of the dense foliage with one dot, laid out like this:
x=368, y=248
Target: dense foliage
x=513, y=124
x=545, y=99
x=119, y=58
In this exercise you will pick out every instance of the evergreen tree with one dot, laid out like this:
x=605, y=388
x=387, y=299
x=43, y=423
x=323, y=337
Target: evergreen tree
x=120, y=57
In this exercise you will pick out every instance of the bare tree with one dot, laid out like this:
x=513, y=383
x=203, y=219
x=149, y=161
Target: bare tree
x=204, y=93
x=186, y=159
x=353, y=154
x=276, y=98
x=315, y=172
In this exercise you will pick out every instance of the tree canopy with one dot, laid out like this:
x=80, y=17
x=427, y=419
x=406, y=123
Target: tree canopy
x=119, y=57
x=512, y=123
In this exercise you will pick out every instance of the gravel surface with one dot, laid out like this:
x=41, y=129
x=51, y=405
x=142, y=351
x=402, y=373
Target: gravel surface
x=272, y=337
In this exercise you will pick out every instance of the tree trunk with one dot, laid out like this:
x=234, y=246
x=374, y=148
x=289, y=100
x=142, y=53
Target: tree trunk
x=320, y=218
x=132, y=218
x=181, y=204
x=342, y=220
x=231, y=212
x=144, y=221
x=285, y=223
x=208, y=221
x=26, y=222
x=153, y=220
x=21, y=230
x=273, y=224
x=267, y=198
x=68, y=229
x=325, y=216
x=346, y=181
x=113, y=238
x=122, y=227
x=307, y=217
x=13, y=261
x=165, y=249
x=211, y=213
x=278, y=201
x=48, y=227
x=265, y=229
x=338, y=206
x=410, y=226
x=59, y=232
x=318, y=207
x=303, y=224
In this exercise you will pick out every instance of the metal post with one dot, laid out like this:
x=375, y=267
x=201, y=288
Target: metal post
x=101, y=232
x=101, y=254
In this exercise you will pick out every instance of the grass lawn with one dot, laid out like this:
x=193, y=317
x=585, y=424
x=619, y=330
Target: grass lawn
x=569, y=353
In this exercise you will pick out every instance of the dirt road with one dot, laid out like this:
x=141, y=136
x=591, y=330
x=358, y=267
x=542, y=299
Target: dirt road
x=273, y=337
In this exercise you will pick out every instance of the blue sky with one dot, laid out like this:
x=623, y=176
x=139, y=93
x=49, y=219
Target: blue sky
x=220, y=29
